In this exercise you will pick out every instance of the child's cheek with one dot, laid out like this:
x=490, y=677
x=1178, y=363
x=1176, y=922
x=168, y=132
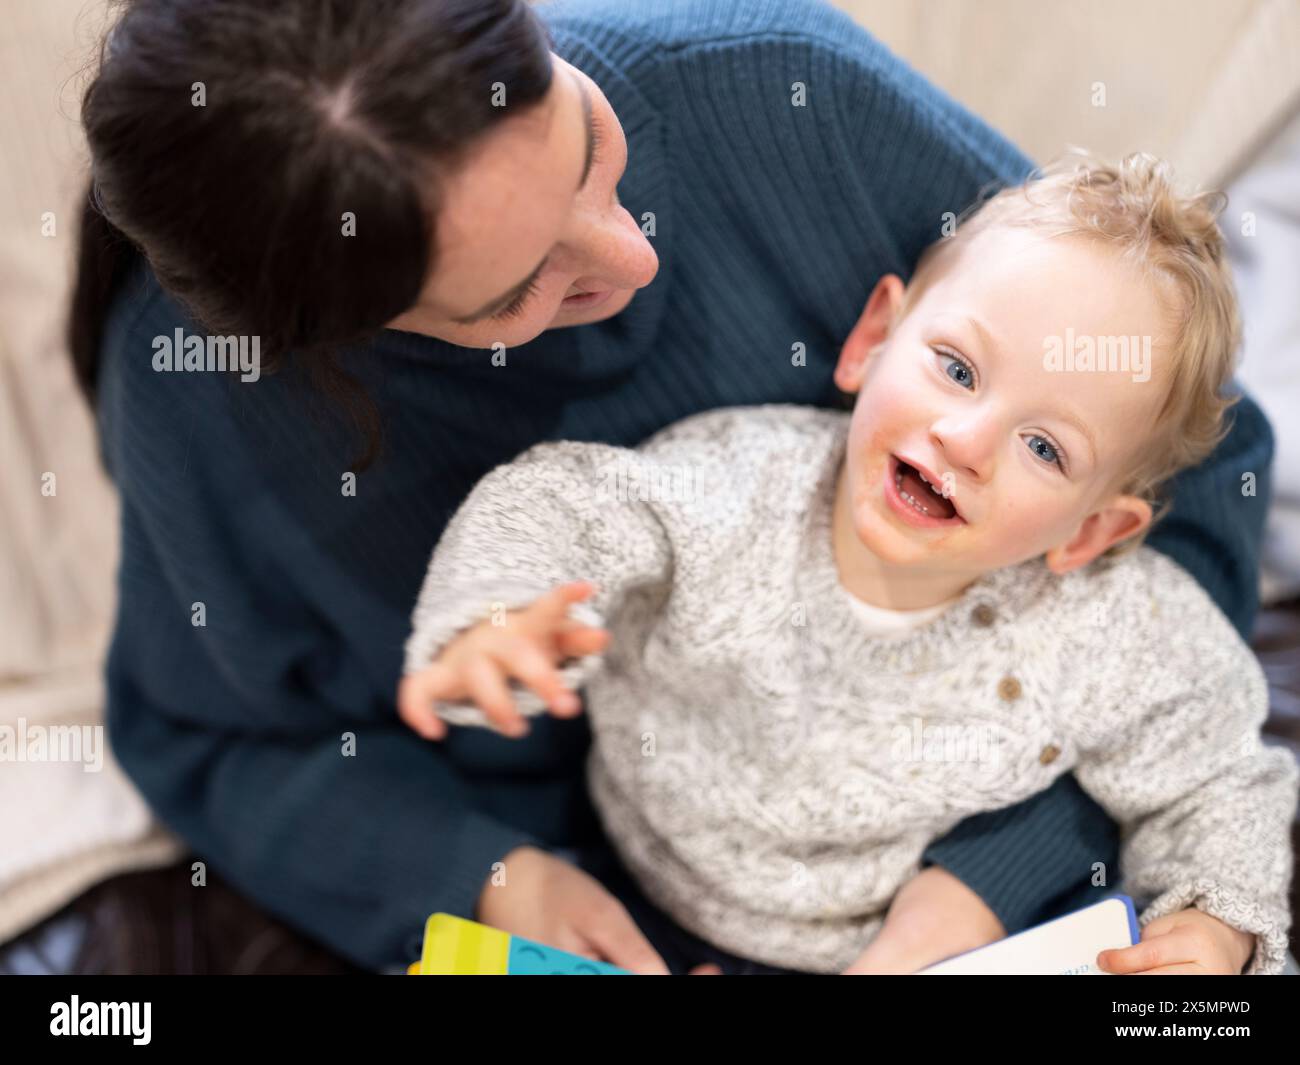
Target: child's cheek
x=887, y=406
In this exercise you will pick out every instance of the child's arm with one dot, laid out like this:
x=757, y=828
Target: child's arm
x=528, y=529
x=1204, y=807
x=479, y=665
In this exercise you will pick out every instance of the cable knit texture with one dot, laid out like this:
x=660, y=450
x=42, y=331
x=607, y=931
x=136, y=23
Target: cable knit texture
x=772, y=774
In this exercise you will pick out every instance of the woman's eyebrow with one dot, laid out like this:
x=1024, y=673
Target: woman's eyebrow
x=488, y=309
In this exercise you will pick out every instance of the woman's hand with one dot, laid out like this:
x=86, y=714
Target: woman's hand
x=546, y=899
x=1187, y=943
x=479, y=664
x=933, y=916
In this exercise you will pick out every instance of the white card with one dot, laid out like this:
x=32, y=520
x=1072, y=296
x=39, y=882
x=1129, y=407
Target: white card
x=1067, y=946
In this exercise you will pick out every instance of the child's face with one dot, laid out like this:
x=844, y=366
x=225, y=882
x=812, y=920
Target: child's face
x=1027, y=453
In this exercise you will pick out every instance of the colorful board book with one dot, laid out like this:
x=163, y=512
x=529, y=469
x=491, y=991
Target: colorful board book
x=1068, y=945
x=454, y=946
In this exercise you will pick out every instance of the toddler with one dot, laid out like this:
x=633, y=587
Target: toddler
x=813, y=641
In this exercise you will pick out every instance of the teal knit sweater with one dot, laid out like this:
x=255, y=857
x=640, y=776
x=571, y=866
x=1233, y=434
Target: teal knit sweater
x=267, y=736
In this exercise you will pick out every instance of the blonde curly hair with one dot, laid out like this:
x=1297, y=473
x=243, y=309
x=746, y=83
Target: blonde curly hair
x=1173, y=238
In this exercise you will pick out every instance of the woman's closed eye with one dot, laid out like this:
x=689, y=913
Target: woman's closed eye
x=516, y=305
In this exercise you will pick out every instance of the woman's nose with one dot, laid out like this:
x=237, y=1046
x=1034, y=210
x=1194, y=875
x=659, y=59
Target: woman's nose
x=609, y=250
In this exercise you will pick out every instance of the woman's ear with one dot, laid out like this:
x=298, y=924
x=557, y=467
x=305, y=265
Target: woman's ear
x=869, y=333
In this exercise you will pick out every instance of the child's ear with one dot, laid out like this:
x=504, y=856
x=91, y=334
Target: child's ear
x=1122, y=517
x=869, y=333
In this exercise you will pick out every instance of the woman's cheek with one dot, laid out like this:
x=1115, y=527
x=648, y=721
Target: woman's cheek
x=508, y=333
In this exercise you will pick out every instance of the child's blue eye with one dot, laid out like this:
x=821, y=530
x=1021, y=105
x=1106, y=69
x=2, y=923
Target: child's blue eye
x=965, y=375
x=1053, y=457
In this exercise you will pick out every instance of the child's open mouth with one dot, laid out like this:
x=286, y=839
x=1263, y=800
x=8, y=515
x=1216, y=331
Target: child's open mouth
x=914, y=498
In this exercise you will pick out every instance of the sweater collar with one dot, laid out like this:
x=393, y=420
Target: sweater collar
x=612, y=348
x=979, y=615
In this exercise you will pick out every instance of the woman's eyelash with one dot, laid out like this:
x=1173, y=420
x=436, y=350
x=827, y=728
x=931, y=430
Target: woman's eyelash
x=516, y=305
x=1060, y=462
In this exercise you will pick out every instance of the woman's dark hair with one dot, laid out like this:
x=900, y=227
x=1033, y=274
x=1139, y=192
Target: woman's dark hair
x=229, y=137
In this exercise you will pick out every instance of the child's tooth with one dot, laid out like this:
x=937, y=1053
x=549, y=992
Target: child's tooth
x=916, y=503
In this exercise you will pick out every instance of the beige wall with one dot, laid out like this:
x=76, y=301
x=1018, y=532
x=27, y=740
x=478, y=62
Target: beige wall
x=1199, y=82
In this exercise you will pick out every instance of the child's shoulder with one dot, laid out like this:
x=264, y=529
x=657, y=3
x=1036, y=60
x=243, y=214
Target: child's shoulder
x=1137, y=638
x=761, y=429
x=1146, y=599
x=773, y=450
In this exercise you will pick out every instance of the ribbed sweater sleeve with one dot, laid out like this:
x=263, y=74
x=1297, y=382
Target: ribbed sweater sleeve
x=230, y=709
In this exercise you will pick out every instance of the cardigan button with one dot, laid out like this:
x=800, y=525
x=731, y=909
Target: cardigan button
x=983, y=615
x=1009, y=688
x=1049, y=754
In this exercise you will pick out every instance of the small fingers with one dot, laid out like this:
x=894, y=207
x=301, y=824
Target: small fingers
x=487, y=687
x=582, y=640
x=416, y=694
x=553, y=607
x=524, y=660
x=1149, y=954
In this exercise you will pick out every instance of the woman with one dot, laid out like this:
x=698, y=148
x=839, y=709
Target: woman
x=454, y=230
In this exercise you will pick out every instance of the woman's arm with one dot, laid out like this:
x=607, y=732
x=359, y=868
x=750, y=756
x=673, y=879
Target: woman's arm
x=351, y=831
x=251, y=674
x=1216, y=525
x=1035, y=860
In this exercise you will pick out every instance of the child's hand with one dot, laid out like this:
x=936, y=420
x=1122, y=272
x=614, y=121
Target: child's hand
x=1189, y=942
x=479, y=663
x=933, y=916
